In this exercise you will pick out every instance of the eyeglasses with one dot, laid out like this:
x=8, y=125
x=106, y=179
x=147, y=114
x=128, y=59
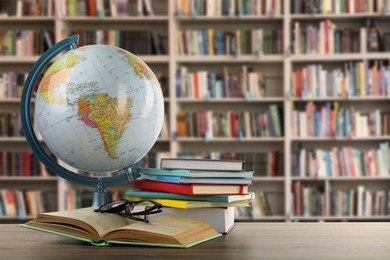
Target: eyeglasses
x=125, y=208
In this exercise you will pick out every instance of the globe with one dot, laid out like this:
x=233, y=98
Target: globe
x=99, y=108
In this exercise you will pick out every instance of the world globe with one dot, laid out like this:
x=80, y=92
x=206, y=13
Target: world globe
x=99, y=108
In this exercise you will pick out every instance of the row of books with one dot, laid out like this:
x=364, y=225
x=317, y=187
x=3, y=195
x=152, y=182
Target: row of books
x=11, y=84
x=23, y=203
x=212, y=124
x=227, y=7
x=359, y=202
x=264, y=164
x=210, y=84
x=355, y=79
x=221, y=42
x=307, y=200
x=137, y=42
x=339, y=6
x=25, y=164
x=260, y=207
x=310, y=201
x=341, y=162
x=25, y=42
x=27, y=8
x=331, y=120
x=195, y=183
x=325, y=38
x=105, y=8
x=10, y=124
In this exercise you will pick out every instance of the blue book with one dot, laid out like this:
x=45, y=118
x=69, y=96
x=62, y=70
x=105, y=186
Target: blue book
x=167, y=195
x=179, y=179
x=347, y=164
x=329, y=172
x=194, y=173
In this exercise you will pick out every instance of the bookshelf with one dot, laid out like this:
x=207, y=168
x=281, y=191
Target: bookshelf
x=277, y=70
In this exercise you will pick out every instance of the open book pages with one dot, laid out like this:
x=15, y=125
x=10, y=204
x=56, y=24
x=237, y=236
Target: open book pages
x=87, y=225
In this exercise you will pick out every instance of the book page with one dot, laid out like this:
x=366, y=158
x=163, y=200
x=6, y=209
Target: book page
x=101, y=222
x=165, y=229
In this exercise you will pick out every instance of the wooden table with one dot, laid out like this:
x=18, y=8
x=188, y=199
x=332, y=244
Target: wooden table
x=245, y=241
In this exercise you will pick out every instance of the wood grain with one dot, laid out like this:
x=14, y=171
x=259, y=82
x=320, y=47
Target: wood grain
x=245, y=241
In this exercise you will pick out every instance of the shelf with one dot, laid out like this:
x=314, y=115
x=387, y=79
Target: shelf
x=268, y=179
x=143, y=19
x=229, y=59
x=266, y=218
x=341, y=57
x=230, y=140
x=342, y=99
x=29, y=178
x=27, y=19
x=231, y=100
x=235, y=18
x=349, y=139
x=311, y=17
x=18, y=59
x=340, y=218
x=342, y=178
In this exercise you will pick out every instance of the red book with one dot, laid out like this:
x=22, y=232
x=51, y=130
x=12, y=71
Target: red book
x=190, y=189
x=233, y=124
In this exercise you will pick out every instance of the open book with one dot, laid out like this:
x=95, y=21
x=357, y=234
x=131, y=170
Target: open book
x=107, y=228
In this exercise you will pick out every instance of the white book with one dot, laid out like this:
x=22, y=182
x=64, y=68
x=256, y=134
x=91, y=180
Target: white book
x=368, y=204
x=363, y=40
x=360, y=201
x=221, y=219
x=302, y=163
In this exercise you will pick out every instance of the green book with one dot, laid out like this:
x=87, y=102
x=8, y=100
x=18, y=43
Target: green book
x=102, y=229
x=174, y=196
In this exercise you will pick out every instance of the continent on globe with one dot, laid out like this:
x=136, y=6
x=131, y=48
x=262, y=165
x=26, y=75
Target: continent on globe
x=56, y=76
x=109, y=115
x=140, y=68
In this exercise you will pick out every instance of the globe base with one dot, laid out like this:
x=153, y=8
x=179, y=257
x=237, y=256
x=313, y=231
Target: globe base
x=100, y=196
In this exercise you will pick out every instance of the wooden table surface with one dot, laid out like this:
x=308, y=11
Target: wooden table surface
x=245, y=241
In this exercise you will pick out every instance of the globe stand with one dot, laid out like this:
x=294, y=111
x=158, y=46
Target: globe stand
x=100, y=195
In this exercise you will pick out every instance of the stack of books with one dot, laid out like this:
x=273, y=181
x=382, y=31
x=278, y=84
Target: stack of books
x=198, y=188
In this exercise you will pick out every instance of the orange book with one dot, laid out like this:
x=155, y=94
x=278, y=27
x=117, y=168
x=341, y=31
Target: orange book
x=181, y=124
x=196, y=84
x=91, y=5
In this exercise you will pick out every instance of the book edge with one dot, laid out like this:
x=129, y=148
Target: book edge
x=104, y=242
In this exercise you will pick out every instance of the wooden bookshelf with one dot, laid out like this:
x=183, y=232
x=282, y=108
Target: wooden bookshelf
x=280, y=66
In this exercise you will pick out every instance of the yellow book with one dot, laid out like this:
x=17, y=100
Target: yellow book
x=211, y=41
x=109, y=228
x=188, y=204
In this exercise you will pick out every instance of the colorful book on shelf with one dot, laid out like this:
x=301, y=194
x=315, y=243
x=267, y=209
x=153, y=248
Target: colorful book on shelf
x=167, y=195
x=190, y=189
x=190, y=204
x=178, y=179
x=104, y=229
x=201, y=164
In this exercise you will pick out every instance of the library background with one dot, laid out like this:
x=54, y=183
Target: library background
x=298, y=89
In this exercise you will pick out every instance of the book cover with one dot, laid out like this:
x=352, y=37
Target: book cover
x=201, y=164
x=190, y=204
x=178, y=179
x=194, y=189
x=104, y=229
x=193, y=173
x=167, y=195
